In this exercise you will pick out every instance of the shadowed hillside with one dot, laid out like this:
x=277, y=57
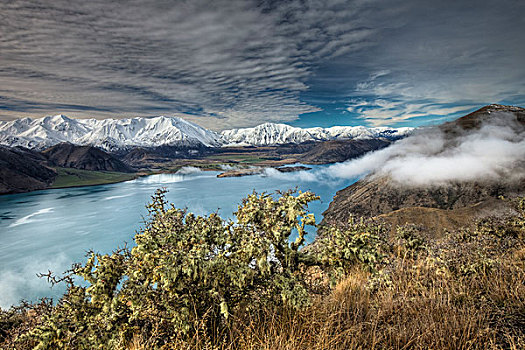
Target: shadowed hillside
x=23, y=170
x=84, y=157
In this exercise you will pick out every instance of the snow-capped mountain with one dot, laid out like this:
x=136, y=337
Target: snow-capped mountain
x=108, y=134
x=116, y=134
x=272, y=134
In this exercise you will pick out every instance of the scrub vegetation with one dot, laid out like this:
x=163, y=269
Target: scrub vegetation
x=193, y=282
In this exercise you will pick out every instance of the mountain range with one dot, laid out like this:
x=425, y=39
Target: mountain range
x=115, y=135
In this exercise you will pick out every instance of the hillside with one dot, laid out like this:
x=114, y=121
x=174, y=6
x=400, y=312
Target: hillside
x=340, y=151
x=63, y=165
x=475, y=119
x=23, y=170
x=394, y=196
x=447, y=206
x=67, y=155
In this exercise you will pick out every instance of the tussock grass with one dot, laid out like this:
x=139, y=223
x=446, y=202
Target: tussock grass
x=464, y=290
x=463, y=293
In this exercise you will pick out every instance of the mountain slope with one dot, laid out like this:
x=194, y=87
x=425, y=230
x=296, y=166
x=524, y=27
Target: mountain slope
x=23, y=170
x=476, y=118
x=453, y=202
x=67, y=155
x=373, y=196
x=336, y=151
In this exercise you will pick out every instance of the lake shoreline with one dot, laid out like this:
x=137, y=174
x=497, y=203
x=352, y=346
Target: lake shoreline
x=51, y=229
x=123, y=177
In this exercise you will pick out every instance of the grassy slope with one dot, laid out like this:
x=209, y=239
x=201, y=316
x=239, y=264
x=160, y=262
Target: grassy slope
x=463, y=290
x=240, y=158
x=68, y=177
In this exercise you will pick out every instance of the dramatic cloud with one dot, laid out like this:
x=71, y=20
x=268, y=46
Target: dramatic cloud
x=239, y=62
x=496, y=151
x=235, y=63
x=451, y=57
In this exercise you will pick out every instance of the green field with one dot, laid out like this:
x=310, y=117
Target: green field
x=241, y=158
x=68, y=177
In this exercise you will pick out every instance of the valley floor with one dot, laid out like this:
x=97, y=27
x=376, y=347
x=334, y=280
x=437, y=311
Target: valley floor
x=68, y=177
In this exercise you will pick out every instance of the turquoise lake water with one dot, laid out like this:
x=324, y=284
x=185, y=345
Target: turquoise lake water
x=51, y=229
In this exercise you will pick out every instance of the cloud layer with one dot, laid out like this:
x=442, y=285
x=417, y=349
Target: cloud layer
x=433, y=156
x=228, y=60
x=235, y=63
x=495, y=152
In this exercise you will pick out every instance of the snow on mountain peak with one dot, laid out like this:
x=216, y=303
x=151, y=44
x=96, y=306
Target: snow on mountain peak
x=108, y=134
x=271, y=134
x=115, y=134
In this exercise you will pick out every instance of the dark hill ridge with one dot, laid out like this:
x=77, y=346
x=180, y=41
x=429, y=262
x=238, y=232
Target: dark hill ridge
x=476, y=118
x=84, y=157
x=23, y=170
x=341, y=150
x=380, y=197
x=435, y=206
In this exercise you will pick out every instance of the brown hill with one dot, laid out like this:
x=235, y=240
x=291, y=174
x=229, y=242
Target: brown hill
x=437, y=207
x=476, y=118
x=84, y=157
x=23, y=170
x=340, y=151
x=376, y=196
x=437, y=221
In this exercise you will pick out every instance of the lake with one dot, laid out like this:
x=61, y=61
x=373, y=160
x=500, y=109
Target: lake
x=51, y=229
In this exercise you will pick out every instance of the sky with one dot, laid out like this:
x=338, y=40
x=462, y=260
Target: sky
x=229, y=63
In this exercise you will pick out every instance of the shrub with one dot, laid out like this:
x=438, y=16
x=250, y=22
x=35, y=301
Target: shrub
x=208, y=283
x=410, y=241
x=186, y=275
x=358, y=242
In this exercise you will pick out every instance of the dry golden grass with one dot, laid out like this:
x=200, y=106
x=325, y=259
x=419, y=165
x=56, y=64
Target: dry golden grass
x=421, y=307
x=461, y=291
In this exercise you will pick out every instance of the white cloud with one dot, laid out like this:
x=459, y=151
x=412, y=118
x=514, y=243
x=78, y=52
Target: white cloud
x=495, y=152
x=21, y=282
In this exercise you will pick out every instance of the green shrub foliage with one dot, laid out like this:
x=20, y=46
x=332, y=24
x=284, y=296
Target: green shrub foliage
x=204, y=280
x=359, y=242
x=187, y=274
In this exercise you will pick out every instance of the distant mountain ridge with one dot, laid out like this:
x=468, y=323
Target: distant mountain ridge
x=118, y=134
x=23, y=170
x=273, y=134
x=107, y=134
